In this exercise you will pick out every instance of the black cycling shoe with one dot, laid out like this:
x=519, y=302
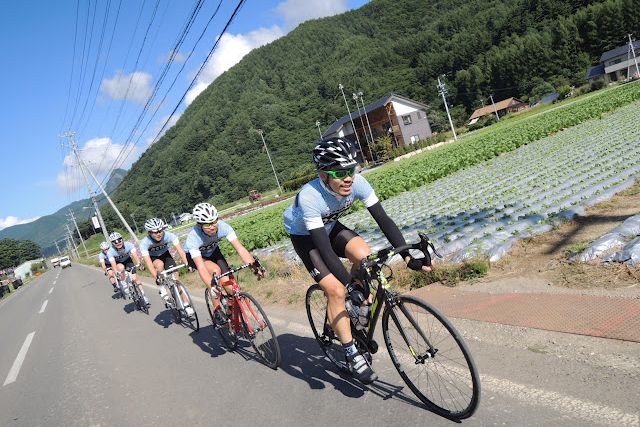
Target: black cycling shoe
x=361, y=370
x=219, y=318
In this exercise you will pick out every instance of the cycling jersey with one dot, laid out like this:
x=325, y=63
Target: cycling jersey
x=201, y=244
x=103, y=257
x=121, y=255
x=316, y=206
x=153, y=248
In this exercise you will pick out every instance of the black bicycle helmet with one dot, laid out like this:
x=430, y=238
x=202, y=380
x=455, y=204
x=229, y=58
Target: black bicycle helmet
x=334, y=153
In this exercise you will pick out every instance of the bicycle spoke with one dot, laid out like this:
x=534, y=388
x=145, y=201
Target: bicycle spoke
x=259, y=330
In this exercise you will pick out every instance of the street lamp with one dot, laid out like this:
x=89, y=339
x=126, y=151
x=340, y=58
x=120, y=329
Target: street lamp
x=269, y=156
x=352, y=124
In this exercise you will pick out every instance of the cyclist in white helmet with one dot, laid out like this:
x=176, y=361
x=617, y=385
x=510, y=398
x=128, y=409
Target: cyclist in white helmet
x=106, y=265
x=124, y=255
x=203, y=251
x=321, y=240
x=155, y=251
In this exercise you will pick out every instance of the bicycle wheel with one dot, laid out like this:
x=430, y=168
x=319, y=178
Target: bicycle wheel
x=431, y=357
x=192, y=320
x=143, y=306
x=226, y=332
x=316, y=304
x=259, y=330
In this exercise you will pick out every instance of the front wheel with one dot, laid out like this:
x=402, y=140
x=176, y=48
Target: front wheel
x=316, y=304
x=259, y=330
x=192, y=320
x=226, y=331
x=431, y=357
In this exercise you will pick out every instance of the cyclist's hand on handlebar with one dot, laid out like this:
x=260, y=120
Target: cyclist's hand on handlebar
x=159, y=281
x=419, y=264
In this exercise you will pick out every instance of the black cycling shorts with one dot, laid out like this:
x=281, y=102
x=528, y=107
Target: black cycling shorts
x=166, y=258
x=216, y=257
x=310, y=255
x=128, y=263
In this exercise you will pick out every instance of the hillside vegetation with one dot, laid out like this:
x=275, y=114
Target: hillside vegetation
x=507, y=48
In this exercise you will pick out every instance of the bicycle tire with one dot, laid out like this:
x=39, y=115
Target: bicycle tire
x=316, y=305
x=259, y=330
x=192, y=321
x=416, y=321
x=226, y=332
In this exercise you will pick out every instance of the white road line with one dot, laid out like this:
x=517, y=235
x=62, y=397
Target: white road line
x=50, y=290
x=54, y=282
x=17, y=364
x=44, y=305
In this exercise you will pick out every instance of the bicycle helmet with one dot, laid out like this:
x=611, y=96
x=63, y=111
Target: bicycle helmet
x=104, y=246
x=154, y=224
x=205, y=213
x=115, y=236
x=334, y=153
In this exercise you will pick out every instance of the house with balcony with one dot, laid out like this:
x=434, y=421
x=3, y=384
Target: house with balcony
x=617, y=64
x=403, y=119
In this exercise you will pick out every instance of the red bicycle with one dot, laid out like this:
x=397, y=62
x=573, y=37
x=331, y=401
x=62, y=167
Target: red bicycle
x=244, y=318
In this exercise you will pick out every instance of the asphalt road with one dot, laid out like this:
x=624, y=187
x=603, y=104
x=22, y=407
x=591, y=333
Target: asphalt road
x=74, y=356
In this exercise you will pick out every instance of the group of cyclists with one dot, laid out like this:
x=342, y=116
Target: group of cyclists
x=317, y=236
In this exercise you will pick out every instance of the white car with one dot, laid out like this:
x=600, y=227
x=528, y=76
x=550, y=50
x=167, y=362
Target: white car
x=65, y=262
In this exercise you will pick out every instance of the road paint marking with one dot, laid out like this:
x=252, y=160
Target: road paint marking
x=44, y=305
x=50, y=290
x=54, y=282
x=17, y=364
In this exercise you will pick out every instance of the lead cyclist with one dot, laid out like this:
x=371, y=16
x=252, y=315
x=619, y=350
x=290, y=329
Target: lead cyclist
x=320, y=240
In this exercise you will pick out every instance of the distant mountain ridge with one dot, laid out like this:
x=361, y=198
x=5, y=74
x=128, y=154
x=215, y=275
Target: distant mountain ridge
x=48, y=228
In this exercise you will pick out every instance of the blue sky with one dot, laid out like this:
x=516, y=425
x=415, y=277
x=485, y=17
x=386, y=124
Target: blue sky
x=47, y=90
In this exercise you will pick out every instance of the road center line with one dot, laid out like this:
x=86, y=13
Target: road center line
x=17, y=364
x=44, y=305
x=50, y=290
x=54, y=282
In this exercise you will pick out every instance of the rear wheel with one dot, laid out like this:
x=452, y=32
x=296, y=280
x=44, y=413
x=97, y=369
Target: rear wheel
x=259, y=330
x=192, y=320
x=226, y=331
x=316, y=304
x=431, y=357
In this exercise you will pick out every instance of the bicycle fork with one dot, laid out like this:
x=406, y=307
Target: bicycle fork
x=430, y=352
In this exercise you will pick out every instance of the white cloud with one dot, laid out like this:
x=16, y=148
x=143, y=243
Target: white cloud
x=178, y=58
x=233, y=47
x=295, y=12
x=99, y=155
x=12, y=220
x=138, y=83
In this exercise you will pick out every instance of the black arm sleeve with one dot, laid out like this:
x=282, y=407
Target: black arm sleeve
x=321, y=241
x=388, y=227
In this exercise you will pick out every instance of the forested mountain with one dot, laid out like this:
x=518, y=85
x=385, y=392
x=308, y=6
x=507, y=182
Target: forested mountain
x=504, y=48
x=48, y=228
x=15, y=252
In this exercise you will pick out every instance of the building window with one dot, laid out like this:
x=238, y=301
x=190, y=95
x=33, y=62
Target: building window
x=414, y=139
x=406, y=119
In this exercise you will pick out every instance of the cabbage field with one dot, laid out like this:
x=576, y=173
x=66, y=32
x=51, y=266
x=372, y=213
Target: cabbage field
x=482, y=209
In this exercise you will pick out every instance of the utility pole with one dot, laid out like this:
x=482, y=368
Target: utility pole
x=73, y=218
x=352, y=124
x=269, y=156
x=366, y=115
x=55, y=242
x=319, y=131
x=70, y=237
x=494, y=107
x=635, y=60
x=83, y=167
x=366, y=137
x=135, y=224
x=443, y=91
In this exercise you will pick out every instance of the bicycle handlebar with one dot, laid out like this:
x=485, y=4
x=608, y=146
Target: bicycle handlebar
x=384, y=254
x=168, y=271
x=256, y=263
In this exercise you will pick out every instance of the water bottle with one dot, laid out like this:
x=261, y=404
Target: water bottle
x=354, y=313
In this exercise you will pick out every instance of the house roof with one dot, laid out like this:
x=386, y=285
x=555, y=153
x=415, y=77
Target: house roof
x=500, y=105
x=595, y=71
x=335, y=127
x=622, y=50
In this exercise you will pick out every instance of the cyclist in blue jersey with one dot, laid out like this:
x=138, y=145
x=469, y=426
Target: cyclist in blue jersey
x=320, y=240
x=123, y=255
x=106, y=265
x=155, y=251
x=203, y=250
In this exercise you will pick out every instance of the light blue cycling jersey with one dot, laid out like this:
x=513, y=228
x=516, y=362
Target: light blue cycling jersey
x=122, y=254
x=153, y=248
x=198, y=243
x=103, y=256
x=316, y=206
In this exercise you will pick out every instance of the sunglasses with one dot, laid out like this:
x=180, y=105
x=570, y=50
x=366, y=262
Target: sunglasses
x=117, y=241
x=156, y=232
x=342, y=173
x=209, y=224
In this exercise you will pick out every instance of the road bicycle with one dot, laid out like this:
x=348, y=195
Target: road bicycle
x=427, y=351
x=243, y=316
x=131, y=290
x=174, y=301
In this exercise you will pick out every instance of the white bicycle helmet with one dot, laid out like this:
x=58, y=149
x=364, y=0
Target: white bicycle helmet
x=154, y=224
x=115, y=236
x=334, y=153
x=205, y=213
x=104, y=246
